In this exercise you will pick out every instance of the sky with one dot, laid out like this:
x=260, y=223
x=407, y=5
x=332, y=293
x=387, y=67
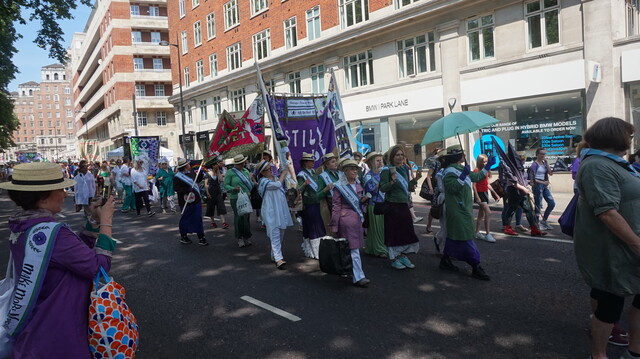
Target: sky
x=30, y=58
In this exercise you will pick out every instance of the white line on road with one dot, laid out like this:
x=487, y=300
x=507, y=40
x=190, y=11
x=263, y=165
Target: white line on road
x=520, y=235
x=271, y=308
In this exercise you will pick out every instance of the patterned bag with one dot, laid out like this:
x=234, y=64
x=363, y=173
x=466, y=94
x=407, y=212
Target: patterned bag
x=113, y=330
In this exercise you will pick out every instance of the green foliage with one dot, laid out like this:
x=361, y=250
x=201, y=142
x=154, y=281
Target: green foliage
x=50, y=36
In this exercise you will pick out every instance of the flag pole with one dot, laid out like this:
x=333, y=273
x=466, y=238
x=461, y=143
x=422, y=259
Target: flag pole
x=338, y=103
x=186, y=202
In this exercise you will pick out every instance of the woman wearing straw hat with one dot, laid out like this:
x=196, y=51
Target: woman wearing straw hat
x=239, y=179
x=347, y=216
x=374, y=243
x=326, y=180
x=399, y=235
x=275, y=211
x=312, y=224
x=215, y=202
x=185, y=183
x=164, y=179
x=60, y=284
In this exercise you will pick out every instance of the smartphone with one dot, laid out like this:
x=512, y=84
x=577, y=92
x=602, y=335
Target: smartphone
x=105, y=195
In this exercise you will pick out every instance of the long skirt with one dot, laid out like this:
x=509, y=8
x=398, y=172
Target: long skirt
x=191, y=220
x=398, y=225
x=465, y=251
x=374, y=243
x=240, y=223
x=312, y=224
x=325, y=213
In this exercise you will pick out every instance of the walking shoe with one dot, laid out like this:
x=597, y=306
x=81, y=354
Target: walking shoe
x=185, y=240
x=545, y=226
x=489, y=238
x=281, y=264
x=263, y=227
x=397, y=264
x=124, y=211
x=225, y=225
x=203, y=242
x=362, y=283
x=214, y=225
x=241, y=243
x=247, y=242
x=508, y=230
x=417, y=219
x=479, y=236
x=447, y=264
x=406, y=262
x=151, y=214
x=536, y=232
x=522, y=228
x=479, y=273
x=617, y=339
x=435, y=241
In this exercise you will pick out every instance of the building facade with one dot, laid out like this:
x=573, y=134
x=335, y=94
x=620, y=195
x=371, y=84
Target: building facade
x=45, y=112
x=122, y=76
x=546, y=69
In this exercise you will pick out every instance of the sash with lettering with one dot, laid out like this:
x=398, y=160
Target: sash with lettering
x=39, y=244
x=404, y=184
x=351, y=196
x=188, y=180
x=247, y=183
x=369, y=177
x=305, y=176
x=327, y=179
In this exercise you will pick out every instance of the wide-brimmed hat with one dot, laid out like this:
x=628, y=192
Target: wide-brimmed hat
x=182, y=162
x=452, y=151
x=37, y=176
x=307, y=157
x=348, y=163
x=267, y=152
x=327, y=157
x=228, y=162
x=372, y=155
x=238, y=159
x=263, y=165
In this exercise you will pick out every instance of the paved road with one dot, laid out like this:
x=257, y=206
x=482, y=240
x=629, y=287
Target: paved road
x=187, y=298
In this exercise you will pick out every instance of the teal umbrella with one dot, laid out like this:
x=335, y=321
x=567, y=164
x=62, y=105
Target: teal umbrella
x=457, y=123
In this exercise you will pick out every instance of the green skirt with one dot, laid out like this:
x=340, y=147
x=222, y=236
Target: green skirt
x=240, y=223
x=374, y=243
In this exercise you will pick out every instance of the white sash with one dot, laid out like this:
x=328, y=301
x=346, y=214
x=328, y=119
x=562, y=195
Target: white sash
x=188, y=180
x=243, y=178
x=305, y=176
x=457, y=172
x=39, y=244
x=404, y=184
x=351, y=196
x=327, y=180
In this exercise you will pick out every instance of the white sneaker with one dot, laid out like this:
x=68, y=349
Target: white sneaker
x=479, y=236
x=521, y=228
x=489, y=238
x=417, y=219
x=545, y=226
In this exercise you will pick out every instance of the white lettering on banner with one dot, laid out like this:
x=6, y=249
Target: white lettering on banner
x=307, y=138
x=388, y=105
x=534, y=127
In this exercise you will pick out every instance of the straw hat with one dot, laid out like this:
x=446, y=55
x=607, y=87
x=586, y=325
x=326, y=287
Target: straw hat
x=307, y=157
x=267, y=152
x=228, y=162
x=238, y=159
x=453, y=150
x=348, y=163
x=182, y=162
x=37, y=176
x=263, y=165
x=327, y=157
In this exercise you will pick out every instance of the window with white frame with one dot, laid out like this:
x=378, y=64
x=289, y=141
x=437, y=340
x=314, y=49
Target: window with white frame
x=633, y=17
x=197, y=34
x=154, y=11
x=262, y=44
x=313, y=23
x=217, y=106
x=183, y=10
x=237, y=100
x=290, y=33
x=70, y=136
x=155, y=37
x=213, y=65
x=187, y=83
x=270, y=85
x=142, y=118
x=211, y=26
x=416, y=55
x=402, y=3
x=195, y=3
x=542, y=22
x=293, y=79
x=69, y=125
x=353, y=12
x=317, y=79
x=161, y=118
x=234, y=56
x=140, y=90
x=138, y=63
x=136, y=36
x=157, y=64
x=359, y=69
x=67, y=90
x=135, y=10
x=231, y=17
x=203, y=111
x=185, y=43
x=258, y=6
x=200, y=70
x=480, y=37
x=69, y=113
x=159, y=89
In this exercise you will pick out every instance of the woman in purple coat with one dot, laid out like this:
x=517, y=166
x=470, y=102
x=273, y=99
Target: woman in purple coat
x=57, y=324
x=347, y=216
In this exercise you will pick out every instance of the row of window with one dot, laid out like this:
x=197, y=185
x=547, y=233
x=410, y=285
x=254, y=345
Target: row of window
x=44, y=141
x=156, y=64
x=67, y=91
x=134, y=10
x=160, y=118
x=31, y=122
x=141, y=90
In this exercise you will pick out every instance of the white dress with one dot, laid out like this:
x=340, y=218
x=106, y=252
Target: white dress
x=275, y=211
x=85, y=188
x=139, y=178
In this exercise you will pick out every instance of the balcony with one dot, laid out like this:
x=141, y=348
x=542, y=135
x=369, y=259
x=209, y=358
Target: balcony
x=149, y=48
x=149, y=22
x=152, y=76
x=153, y=102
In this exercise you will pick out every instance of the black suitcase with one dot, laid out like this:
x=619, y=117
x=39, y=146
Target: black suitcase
x=335, y=256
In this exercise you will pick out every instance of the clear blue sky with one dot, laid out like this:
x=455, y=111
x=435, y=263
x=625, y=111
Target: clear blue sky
x=30, y=58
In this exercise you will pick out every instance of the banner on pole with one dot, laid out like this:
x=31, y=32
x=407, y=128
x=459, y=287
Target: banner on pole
x=335, y=109
x=239, y=133
x=89, y=150
x=146, y=148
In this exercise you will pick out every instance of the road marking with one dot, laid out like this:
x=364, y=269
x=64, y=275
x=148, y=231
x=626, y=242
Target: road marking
x=271, y=308
x=61, y=215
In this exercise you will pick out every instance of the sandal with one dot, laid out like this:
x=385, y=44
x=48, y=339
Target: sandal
x=281, y=264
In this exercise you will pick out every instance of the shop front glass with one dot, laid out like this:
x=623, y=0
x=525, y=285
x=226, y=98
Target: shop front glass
x=634, y=107
x=410, y=130
x=368, y=135
x=553, y=122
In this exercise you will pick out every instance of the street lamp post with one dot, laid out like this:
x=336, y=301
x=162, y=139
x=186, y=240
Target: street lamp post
x=177, y=46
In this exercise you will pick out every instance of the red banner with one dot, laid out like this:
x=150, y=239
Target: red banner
x=243, y=135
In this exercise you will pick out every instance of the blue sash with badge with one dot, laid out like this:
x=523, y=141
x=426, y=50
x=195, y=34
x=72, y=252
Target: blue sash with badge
x=305, y=176
x=327, y=180
x=404, y=184
x=351, y=196
x=247, y=183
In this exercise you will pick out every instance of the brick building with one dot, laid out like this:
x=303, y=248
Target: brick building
x=401, y=64
x=117, y=58
x=45, y=112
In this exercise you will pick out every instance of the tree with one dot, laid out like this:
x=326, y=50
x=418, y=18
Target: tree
x=50, y=36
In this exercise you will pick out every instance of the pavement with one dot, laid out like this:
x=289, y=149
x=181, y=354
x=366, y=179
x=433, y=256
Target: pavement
x=221, y=301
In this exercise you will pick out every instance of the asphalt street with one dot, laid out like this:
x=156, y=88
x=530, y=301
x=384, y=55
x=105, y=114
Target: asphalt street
x=188, y=299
